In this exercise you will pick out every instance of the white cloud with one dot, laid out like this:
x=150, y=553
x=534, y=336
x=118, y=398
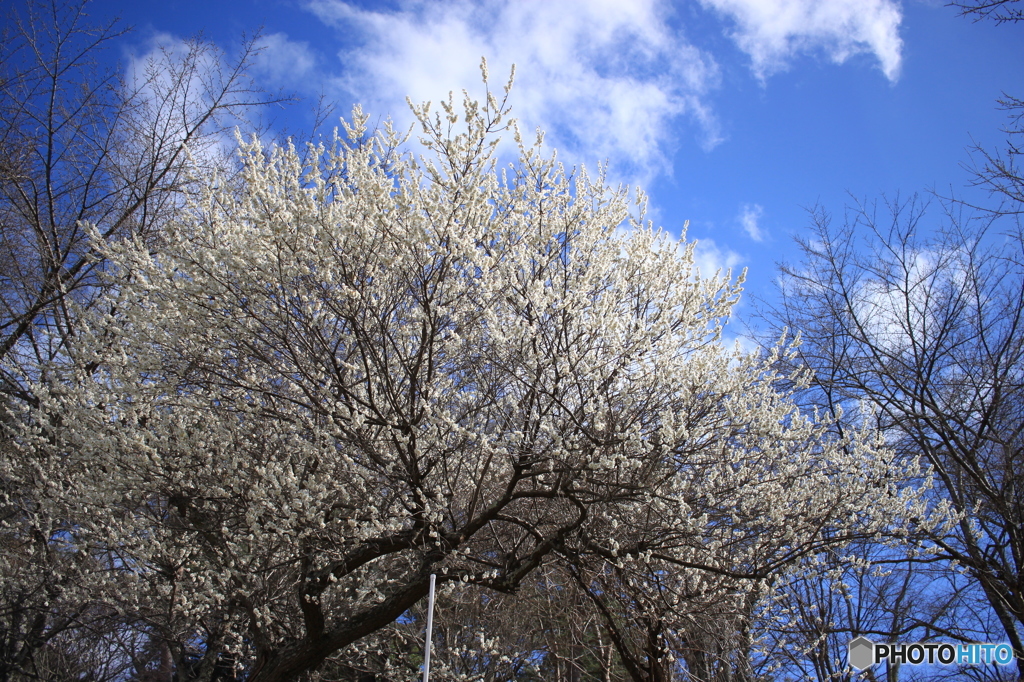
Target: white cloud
x=174, y=84
x=283, y=62
x=710, y=258
x=773, y=31
x=606, y=79
x=750, y=214
x=901, y=310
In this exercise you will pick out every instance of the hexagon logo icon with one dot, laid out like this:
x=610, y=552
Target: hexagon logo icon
x=862, y=653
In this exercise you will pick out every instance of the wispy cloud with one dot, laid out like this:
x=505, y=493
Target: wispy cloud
x=606, y=79
x=750, y=216
x=772, y=32
x=710, y=258
x=174, y=84
x=287, y=63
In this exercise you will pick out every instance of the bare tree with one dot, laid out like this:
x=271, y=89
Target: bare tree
x=923, y=337
x=867, y=590
x=1001, y=11
x=999, y=171
x=82, y=147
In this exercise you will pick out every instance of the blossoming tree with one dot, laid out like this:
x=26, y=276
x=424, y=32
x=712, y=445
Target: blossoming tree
x=338, y=375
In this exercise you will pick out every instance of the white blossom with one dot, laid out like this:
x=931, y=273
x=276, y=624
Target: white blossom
x=358, y=365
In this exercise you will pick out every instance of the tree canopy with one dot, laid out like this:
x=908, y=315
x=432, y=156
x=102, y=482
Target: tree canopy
x=343, y=370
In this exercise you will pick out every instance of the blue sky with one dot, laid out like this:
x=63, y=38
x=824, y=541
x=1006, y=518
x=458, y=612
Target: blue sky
x=736, y=115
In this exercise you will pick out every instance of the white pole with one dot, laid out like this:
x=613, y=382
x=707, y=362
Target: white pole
x=430, y=627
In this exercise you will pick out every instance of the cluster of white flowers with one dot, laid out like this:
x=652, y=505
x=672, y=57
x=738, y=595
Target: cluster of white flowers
x=351, y=368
